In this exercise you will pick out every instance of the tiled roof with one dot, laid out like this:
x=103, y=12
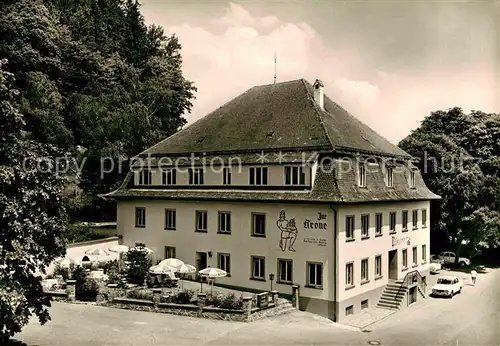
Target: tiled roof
x=276, y=116
x=330, y=186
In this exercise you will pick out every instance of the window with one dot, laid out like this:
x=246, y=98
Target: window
x=258, y=268
x=365, y=225
x=424, y=253
x=364, y=270
x=412, y=179
x=362, y=175
x=169, y=177
x=378, y=224
x=224, y=262
x=364, y=304
x=294, y=175
x=140, y=217
x=392, y=222
x=378, y=266
x=145, y=177
x=349, y=274
x=390, y=177
x=405, y=258
x=226, y=176
x=284, y=271
x=258, y=225
x=414, y=255
x=404, y=223
x=170, y=252
x=201, y=221
x=315, y=274
x=224, y=222
x=349, y=310
x=349, y=227
x=196, y=176
x=414, y=219
x=258, y=175
x=170, y=219
x=424, y=218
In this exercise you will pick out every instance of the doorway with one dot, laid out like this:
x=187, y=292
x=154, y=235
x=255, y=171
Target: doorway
x=201, y=263
x=393, y=265
x=412, y=295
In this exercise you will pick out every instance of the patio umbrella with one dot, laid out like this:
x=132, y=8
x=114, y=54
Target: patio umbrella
x=119, y=249
x=98, y=253
x=173, y=262
x=161, y=269
x=186, y=269
x=66, y=262
x=212, y=273
x=143, y=248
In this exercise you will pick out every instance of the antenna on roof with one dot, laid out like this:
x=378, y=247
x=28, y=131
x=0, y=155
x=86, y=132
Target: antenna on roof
x=274, y=68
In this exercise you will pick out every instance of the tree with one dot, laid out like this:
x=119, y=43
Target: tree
x=460, y=160
x=139, y=265
x=33, y=215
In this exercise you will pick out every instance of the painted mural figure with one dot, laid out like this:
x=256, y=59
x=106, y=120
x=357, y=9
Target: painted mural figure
x=288, y=232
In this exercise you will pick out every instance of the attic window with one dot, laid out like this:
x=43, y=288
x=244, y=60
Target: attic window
x=390, y=176
x=361, y=175
x=145, y=177
x=412, y=178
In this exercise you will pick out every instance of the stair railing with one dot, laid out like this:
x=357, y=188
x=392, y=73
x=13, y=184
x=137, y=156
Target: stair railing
x=422, y=285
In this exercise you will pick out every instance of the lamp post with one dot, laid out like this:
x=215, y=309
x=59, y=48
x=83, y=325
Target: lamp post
x=271, y=278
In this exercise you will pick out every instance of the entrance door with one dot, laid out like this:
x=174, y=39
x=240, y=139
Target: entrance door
x=201, y=263
x=412, y=295
x=393, y=265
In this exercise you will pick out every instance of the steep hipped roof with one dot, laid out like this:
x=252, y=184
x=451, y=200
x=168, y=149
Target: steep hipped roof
x=277, y=116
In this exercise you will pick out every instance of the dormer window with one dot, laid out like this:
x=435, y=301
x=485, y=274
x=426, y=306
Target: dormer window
x=294, y=175
x=412, y=178
x=362, y=175
x=169, y=177
x=145, y=177
x=226, y=176
x=258, y=175
x=390, y=176
x=196, y=176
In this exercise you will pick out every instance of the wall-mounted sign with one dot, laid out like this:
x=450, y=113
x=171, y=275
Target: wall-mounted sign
x=316, y=224
x=397, y=241
x=317, y=241
x=289, y=232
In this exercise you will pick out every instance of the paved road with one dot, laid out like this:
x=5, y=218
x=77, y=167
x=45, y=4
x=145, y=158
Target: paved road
x=471, y=318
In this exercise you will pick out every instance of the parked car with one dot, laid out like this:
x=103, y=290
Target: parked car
x=449, y=258
x=447, y=286
x=435, y=267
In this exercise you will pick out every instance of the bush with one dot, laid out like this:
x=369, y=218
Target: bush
x=230, y=301
x=183, y=297
x=140, y=294
x=214, y=300
x=88, y=291
x=139, y=264
x=64, y=272
x=109, y=266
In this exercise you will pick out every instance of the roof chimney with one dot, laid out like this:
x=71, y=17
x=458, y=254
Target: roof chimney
x=318, y=93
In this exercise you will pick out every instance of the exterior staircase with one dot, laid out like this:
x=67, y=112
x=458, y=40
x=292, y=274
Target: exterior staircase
x=283, y=307
x=393, y=295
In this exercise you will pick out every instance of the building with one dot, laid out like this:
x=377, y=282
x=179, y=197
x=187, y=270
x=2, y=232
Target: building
x=282, y=186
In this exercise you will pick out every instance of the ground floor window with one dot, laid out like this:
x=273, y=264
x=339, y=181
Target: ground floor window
x=364, y=270
x=378, y=265
x=349, y=310
x=405, y=258
x=364, y=304
x=414, y=256
x=285, y=270
x=315, y=274
x=170, y=252
x=224, y=262
x=424, y=253
x=258, y=268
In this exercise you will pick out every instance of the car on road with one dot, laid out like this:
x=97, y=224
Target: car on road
x=449, y=258
x=436, y=264
x=447, y=286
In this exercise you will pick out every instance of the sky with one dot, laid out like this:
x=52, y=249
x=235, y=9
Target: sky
x=389, y=63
